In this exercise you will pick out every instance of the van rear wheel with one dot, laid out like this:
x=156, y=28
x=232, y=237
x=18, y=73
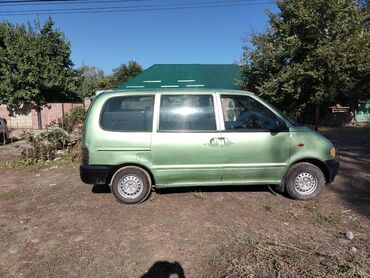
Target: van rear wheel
x=131, y=185
x=304, y=181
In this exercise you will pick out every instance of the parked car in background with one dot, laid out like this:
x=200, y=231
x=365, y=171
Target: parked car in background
x=4, y=131
x=135, y=140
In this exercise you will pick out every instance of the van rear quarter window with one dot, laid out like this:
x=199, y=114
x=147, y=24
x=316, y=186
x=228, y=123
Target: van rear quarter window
x=128, y=113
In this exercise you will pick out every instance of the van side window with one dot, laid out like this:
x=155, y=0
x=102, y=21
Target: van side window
x=187, y=112
x=245, y=113
x=128, y=113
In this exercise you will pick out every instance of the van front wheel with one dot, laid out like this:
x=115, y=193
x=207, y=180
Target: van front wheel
x=131, y=185
x=304, y=181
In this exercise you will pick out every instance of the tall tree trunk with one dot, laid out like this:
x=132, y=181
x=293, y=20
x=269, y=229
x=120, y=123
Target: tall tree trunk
x=317, y=114
x=39, y=118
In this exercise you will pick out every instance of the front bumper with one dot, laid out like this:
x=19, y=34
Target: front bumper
x=94, y=174
x=333, y=166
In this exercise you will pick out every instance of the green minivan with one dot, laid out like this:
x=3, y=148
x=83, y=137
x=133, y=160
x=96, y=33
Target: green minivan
x=136, y=140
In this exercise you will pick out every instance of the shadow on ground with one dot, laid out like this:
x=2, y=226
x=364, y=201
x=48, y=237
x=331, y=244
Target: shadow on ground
x=104, y=189
x=353, y=181
x=164, y=269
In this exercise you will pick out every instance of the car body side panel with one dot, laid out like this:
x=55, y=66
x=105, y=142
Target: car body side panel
x=315, y=146
x=186, y=158
x=114, y=148
x=255, y=157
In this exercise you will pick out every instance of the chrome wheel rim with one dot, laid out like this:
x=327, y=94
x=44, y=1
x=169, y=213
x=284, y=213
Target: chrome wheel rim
x=130, y=186
x=305, y=184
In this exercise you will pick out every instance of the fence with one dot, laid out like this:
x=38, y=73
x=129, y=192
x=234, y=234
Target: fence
x=49, y=113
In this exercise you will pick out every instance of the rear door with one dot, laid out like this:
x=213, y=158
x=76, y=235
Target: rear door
x=184, y=145
x=252, y=153
x=125, y=130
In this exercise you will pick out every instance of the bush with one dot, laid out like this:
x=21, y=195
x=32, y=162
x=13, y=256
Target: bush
x=54, y=137
x=45, y=144
x=74, y=119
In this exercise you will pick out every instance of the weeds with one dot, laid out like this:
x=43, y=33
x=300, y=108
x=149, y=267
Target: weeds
x=333, y=219
x=67, y=156
x=258, y=257
x=268, y=208
x=198, y=195
x=2, y=273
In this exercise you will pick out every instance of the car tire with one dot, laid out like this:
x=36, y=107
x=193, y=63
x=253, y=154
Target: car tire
x=304, y=181
x=131, y=185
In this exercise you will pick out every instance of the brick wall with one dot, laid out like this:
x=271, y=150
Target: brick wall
x=49, y=112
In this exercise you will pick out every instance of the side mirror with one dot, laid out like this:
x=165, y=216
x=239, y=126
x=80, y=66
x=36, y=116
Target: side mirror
x=279, y=126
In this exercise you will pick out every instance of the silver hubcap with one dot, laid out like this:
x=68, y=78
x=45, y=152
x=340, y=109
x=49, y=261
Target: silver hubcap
x=130, y=186
x=305, y=184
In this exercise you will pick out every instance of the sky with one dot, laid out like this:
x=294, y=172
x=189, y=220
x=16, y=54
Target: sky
x=205, y=36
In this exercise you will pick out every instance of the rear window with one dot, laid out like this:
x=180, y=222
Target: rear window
x=128, y=113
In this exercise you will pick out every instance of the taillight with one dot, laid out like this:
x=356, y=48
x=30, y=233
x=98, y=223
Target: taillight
x=85, y=156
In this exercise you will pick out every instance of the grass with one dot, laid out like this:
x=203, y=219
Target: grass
x=252, y=256
x=268, y=208
x=2, y=272
x=70, y=155
x=198, y=195
x=5, y=196
x=356, y=226
x=332, y=219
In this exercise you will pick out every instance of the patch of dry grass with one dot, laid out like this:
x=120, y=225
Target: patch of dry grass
x=252, y=256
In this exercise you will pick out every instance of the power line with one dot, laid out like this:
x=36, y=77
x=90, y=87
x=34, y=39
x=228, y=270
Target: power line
x=158, y=7
x=137, y=6
x=30, y=1
x=63, y=2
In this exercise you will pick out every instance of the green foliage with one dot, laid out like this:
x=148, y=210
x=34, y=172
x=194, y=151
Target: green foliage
x=125, y=72
x=17, y=163
x=313, y=53
x=74, y=119
x=44, y=144
x=35, y=65
x=53, y=138
x=45, y=157
x=93, y=79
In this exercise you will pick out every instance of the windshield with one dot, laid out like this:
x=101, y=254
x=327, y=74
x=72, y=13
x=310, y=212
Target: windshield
x=281, y=114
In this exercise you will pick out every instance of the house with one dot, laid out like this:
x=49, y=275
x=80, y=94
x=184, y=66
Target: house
x=217, y=76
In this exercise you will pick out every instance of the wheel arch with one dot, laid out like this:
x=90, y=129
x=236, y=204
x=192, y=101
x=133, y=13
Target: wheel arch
x=318, y=163
x=116, y=168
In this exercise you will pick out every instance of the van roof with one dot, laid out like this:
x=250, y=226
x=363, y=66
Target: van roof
x=174, y=90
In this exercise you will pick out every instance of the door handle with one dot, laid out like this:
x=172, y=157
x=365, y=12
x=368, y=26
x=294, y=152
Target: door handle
x=214, y=141
x=218, y=141
x=221, y=141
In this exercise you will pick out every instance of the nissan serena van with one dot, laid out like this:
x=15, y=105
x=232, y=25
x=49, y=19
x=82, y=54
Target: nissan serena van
x=136, y=140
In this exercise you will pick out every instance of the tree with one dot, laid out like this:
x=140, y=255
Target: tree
x=92, y=79
x=314, y=53
x=125, y=72
x=35, y=66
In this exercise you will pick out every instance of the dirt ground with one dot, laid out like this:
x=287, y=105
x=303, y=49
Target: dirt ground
x=53, y=225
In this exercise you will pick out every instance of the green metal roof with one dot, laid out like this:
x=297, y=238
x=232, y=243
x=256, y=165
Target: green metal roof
x=186, y=76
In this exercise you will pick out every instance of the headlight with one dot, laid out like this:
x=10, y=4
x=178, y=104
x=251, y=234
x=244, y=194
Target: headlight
x=333, y=152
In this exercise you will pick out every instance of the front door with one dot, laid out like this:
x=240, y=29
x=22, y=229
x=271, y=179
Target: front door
x=252, y=152
x=185, y=147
